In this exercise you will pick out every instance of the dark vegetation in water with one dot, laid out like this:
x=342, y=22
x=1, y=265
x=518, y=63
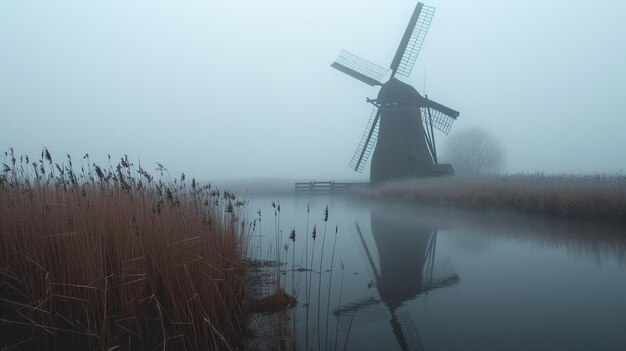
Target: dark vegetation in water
x=112, y=257
x=595, y=197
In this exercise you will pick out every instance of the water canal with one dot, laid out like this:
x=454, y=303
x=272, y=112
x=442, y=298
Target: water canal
x=413, y=278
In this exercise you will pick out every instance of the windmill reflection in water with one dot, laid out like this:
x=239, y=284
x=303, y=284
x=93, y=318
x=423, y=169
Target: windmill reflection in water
x=402, y=265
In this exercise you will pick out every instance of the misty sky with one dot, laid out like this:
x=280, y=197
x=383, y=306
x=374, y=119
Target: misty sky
x=242, y=89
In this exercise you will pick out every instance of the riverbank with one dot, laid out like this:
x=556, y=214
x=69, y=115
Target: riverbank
x=593, y=197
x=115, y=258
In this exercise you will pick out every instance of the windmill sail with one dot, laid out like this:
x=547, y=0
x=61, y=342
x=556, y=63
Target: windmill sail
x=437, y=119
x=356, y=67
x=412, y=41
x=366, y=145
x=438, y=115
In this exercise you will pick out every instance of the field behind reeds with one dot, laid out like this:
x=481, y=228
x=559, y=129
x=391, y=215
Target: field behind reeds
x=110, y=258
x=597, y=197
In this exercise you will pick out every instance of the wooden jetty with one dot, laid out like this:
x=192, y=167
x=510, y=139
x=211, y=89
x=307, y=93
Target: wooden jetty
x=329, y=187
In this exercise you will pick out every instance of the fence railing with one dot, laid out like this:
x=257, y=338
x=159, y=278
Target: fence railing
x=325, y=187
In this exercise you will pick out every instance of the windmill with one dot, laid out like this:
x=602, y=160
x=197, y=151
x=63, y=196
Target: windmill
x=400, y=131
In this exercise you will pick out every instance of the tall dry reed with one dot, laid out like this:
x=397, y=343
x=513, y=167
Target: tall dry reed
x=597, y=197
x=319, y=284
x=113, y=258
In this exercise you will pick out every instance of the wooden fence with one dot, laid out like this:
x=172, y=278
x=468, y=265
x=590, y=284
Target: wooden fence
x=325, y=187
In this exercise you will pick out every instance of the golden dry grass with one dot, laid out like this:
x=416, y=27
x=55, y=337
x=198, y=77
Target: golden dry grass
x=598, y=197
x=113, y=258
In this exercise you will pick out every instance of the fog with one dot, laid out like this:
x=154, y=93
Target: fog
x=243, y=89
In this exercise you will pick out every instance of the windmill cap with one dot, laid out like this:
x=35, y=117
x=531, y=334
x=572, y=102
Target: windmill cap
x=395, y=92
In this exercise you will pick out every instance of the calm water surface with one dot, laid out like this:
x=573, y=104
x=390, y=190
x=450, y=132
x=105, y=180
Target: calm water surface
x=411, y=278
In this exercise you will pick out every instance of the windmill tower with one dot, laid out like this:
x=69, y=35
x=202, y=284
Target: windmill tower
x=400, y=131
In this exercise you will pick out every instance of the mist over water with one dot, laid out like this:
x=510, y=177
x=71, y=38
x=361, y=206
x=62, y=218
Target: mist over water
x=418, y=278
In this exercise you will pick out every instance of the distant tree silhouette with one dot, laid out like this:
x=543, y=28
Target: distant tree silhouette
x=474, y=151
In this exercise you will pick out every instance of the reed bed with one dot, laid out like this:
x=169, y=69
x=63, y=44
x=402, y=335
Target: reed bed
x=595, y=197
x=114, y=258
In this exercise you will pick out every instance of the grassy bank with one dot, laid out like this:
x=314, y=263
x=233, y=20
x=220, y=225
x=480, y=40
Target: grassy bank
x=598, y=197
x=113, y=258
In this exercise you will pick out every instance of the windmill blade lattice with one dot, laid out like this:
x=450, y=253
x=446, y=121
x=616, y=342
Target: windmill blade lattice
x=415, y=42
x=440, y=120
x=368, y=72
x=368, y=140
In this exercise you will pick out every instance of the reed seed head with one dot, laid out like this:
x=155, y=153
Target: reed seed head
x=47, y=155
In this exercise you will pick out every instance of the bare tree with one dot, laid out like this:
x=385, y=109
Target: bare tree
x=474, y=151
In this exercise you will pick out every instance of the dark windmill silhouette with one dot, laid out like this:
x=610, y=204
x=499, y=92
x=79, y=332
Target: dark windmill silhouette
x=404, y=269
x=400, y=131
